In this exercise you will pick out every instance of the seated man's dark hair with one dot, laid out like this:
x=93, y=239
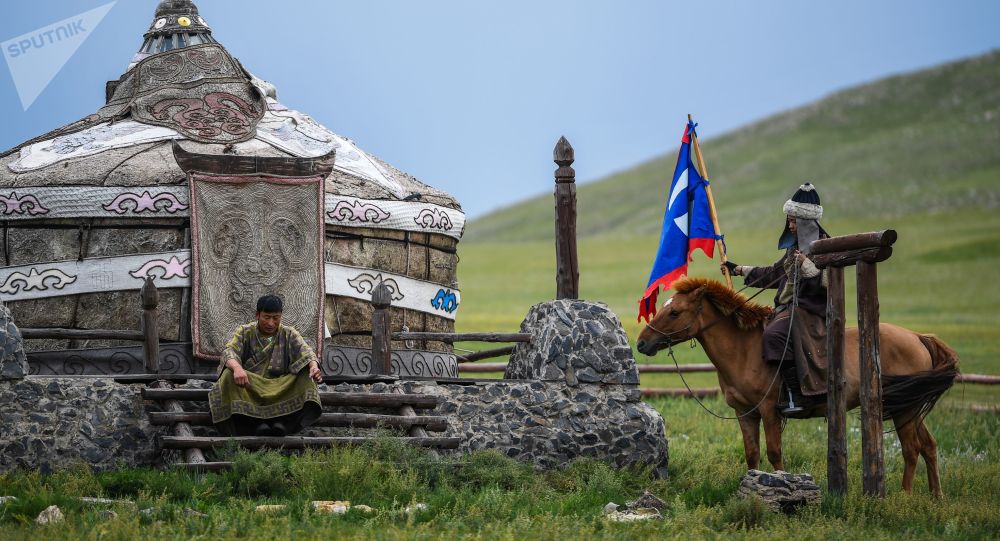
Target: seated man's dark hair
x=269, y=303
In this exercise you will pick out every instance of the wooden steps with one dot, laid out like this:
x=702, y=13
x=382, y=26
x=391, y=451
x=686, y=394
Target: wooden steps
x=194, y=447
x=356, y=420
x=371, y=400
x=295, y=442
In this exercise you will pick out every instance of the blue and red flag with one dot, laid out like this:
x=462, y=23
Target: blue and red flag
x=687, y=226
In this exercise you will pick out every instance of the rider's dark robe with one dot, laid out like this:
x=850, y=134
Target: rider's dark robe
x=807, y=344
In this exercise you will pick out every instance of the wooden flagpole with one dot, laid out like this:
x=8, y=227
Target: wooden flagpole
x=711, y=205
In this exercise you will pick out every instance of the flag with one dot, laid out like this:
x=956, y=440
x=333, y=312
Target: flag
x=687, y=226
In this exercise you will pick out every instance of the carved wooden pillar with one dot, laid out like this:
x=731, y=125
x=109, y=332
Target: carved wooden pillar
x=381, y=333
x=567, y=267
x=151, y=333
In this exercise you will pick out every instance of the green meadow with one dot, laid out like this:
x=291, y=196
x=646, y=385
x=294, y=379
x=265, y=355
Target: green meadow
x=488, y=496
x=918, y=153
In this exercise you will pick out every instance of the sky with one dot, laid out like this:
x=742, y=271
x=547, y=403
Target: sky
x=471, y=96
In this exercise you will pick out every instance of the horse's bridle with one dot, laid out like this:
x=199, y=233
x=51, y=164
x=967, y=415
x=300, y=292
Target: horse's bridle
x=694, y=318
x=697, y=315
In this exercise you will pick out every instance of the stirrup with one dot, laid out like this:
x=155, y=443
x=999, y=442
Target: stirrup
x=792, y=407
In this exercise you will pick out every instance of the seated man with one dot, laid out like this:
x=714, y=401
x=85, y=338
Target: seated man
x=268, y=377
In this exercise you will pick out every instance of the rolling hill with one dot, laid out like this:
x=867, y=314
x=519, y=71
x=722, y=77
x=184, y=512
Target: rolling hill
x=921, y=143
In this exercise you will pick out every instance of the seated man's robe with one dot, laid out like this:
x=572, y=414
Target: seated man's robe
x=280, y=388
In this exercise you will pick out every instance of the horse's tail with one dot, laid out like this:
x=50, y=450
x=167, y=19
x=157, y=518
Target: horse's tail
x=913, y=396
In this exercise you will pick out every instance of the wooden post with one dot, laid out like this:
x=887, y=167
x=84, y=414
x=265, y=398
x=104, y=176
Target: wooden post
x=567, y=267
x=863, y=250
x=836, y=400
x=870, y=373
x=151, y=334
x=703, y=171
x=381, y=333
x=184, y=326
x=181, y=429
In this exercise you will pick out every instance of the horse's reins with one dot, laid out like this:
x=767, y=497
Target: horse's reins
x=777, y=372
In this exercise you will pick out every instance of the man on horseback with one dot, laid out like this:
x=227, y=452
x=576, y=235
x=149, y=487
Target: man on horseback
x=794, y=338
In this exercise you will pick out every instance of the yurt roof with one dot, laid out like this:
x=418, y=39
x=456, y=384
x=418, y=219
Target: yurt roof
x=128, y=141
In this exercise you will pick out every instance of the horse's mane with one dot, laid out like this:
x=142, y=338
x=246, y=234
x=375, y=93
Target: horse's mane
x=746, y=315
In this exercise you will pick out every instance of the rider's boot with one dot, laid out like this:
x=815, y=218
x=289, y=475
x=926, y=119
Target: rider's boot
x=792, y=402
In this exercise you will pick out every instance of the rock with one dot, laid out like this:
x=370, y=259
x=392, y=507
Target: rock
x=50, y=515
x=363, y=508
x=573, y=341
x=188, y=512
x=108, y=514
x=331, y=507
x=781, y=491
x=633, y=515
x=103, y=501
x=647, y=501
x=13, y=361
x=267, y=509
x=5, y=499
x=611, y=507
x=416, y=508
x=147, y=512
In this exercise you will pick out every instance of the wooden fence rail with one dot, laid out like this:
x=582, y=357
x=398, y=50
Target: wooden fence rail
x=148, y=333
x=488, y=368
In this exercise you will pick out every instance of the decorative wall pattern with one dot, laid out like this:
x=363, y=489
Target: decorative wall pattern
x=173, y=270
x=409, y=293
x=399, y=215
x=118, y=361
x=252, y=236
x=93, y=202
x=35, y=202
x=27, y=205
x=177, y=359
x=346, y=361
x=125, y=273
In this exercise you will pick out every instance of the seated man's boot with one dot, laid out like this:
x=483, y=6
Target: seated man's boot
x=263, y=429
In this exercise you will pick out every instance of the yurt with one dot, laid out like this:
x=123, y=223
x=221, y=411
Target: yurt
x=193, y=173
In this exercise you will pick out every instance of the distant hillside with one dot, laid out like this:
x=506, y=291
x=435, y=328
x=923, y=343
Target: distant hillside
x=920, y=143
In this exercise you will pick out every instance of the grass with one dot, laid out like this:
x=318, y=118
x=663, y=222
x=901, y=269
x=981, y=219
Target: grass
x=488, y=496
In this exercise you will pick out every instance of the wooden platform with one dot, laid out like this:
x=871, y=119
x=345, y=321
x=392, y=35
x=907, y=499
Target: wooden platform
x=193, y=447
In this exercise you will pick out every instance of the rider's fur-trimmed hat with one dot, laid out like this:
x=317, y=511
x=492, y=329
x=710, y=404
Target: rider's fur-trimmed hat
x=804, y=203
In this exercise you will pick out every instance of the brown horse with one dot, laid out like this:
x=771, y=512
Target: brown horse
x=916, y=369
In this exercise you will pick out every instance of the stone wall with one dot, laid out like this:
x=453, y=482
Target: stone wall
x=52, y=422
x=48, y=422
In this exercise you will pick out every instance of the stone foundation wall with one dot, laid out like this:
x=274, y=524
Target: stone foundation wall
x=46, y=423
x=52, y=422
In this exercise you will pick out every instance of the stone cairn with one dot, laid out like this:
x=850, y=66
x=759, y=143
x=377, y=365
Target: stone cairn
x=576, y=342
x=781, y=491
x=13, y=362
